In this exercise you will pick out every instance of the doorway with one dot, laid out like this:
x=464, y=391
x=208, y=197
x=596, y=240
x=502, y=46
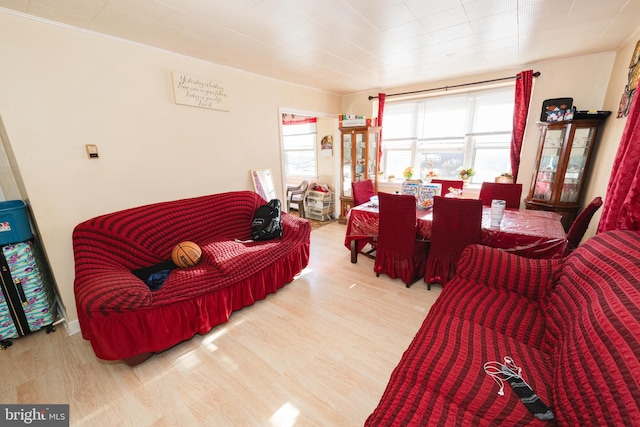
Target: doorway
x=305, y=152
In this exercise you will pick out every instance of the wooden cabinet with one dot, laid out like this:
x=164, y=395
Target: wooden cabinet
x=359, y=162
x=562, y=167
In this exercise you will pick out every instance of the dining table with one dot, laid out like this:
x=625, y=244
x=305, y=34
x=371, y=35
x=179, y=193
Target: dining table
x=529, y=233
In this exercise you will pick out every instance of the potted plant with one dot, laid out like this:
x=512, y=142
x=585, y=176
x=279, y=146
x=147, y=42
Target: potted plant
x=505, y=178
x=466, y=174
x=390, y=178
x=408, y=172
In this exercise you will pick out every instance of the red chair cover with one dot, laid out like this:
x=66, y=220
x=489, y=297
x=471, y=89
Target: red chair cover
x=581, y=223
x=456, y=224
x=449, y=183
x=362, y=191
x=510, y=193
x=398, y=253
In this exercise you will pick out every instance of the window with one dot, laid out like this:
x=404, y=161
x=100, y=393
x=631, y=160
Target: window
x=447, y=133
x=299, y=143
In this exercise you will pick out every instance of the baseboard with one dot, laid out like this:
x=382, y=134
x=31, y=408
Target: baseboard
x=72, y=327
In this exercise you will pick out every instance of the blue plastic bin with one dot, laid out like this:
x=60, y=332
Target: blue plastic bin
x=14, y=222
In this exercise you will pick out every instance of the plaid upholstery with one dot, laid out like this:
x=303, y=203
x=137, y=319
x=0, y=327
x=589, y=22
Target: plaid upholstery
x=362, y=191
x=581, y=223
x=458, y=184
x=107, y=248
x=511, y=193
x=398, y=253
x=573, y=326
x=456, y=224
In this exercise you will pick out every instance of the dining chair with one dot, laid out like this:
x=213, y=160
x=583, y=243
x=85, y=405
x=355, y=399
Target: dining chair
x=362, y=191
x=581, y=223
x=456, y=224
x=510, y=193
x=399, y=252
x=296, y=195
x=449, y=183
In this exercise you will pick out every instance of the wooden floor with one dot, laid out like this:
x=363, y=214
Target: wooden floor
x=317, y=353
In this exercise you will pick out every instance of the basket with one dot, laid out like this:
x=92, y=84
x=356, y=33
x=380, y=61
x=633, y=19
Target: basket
x=14, y=222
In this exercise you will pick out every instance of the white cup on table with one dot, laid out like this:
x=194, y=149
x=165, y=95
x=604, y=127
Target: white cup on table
x=497, y=212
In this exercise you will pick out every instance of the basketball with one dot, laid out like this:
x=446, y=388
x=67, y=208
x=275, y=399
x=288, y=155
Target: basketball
x=186, y=254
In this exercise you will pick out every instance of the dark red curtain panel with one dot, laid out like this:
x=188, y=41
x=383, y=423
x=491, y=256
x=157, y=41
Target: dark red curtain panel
x=621, y=208
x=381, y=98
x=524, y=83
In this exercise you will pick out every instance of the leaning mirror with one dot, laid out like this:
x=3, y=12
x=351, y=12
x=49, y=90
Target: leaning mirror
x=263, y=183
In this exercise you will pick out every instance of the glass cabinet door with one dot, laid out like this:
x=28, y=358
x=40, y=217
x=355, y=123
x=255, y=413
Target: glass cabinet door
x=372, y=160
x=564, y=156
x=546, y=174
x=574, y=174
x=360, y=160
x=347, y=164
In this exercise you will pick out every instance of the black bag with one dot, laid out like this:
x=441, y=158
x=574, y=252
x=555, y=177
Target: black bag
x=266, y=223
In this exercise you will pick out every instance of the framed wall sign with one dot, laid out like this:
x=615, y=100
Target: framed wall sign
x=200, y=92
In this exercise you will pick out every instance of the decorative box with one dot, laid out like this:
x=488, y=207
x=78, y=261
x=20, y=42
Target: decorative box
x=353, y=123
x=411, y=187
x=426, y=194
x=423, y=193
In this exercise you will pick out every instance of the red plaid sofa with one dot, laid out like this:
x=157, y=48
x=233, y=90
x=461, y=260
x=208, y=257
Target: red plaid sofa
x=572, y=326
x=124, y=319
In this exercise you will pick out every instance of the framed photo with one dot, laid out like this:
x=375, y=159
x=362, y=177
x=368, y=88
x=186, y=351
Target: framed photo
x=632, y=84
x=636, y=55
x=633, y=81
x=550, y=105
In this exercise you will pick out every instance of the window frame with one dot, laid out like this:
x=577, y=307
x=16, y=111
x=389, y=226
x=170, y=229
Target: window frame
x=468, y=143
x=312, y=135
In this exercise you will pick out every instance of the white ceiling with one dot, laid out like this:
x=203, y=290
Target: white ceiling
x=348, y=46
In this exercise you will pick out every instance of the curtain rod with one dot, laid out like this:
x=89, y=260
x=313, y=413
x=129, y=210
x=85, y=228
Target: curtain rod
x=536, y=74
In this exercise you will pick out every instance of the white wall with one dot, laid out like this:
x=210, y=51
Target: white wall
x=63, y=89
x=326, y=164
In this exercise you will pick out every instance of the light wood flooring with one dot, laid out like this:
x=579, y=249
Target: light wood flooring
x=319, y=352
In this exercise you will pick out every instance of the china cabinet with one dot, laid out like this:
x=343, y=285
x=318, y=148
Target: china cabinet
x=562, y=166
x=359, y=162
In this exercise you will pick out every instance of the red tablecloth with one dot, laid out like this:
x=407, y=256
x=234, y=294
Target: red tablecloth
x=530, y=233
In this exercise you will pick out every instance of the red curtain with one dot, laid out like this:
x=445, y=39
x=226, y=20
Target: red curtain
x=621, y=206
x=381, y=99
x=524, y=83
